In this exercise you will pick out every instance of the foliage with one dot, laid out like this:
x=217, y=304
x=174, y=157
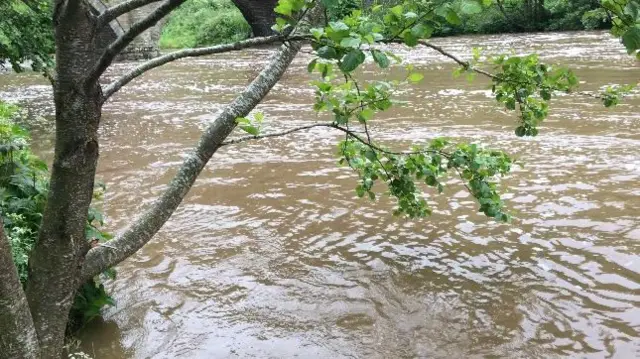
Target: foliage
x=26, y=33
x=501, y=16
x=626, y=22
x=23, y=194
x=521, y=83
x=528, y=84
x=204, y=22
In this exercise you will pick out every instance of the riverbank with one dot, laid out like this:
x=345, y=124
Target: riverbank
x=212, y=22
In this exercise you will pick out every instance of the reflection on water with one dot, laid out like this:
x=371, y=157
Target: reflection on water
x=271, y=255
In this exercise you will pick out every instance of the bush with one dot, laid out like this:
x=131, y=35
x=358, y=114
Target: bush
x=203, y=23
x=23, y=194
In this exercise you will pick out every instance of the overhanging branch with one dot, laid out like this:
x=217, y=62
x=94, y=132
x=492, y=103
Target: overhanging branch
x=144, y=228
x=113, y=12
x=164, y=59
x=123, y=41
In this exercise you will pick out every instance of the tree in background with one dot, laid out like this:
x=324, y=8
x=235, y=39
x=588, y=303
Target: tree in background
x=33, y=321
x=25, y=33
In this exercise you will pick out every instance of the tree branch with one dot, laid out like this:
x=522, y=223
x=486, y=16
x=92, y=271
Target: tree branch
x=455, y=58
x=276, y=134
x=164, y=59
x=333, y=125
x=18, y=338
x=144, y=228
x=468, y=66
x=123, y=41
x=113, y=12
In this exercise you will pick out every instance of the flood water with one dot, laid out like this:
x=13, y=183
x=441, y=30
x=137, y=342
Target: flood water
x=273, y=256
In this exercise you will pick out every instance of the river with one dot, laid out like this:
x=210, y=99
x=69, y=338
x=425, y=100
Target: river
x=273, y=256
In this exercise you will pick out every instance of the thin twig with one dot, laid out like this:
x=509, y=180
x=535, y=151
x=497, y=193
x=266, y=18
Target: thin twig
x=348, y=132
x=275, y=134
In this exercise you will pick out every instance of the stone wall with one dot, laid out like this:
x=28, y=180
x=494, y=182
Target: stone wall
x=145, y=46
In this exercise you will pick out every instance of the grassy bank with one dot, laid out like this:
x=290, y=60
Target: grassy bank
x=204, y=22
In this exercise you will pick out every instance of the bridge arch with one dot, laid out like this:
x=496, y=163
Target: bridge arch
x=143, y=47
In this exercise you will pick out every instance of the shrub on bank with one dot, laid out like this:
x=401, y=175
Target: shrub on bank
x=24, y=188
x=202, y=23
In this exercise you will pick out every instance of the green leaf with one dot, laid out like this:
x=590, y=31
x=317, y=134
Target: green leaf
x=327, y=52
x=380, y=58
x=252, y=130
x=632, y=9
x=366, y=114
x=452, y=17
x=545, y=94
x=284, y=7
x=338, y=26
x=371, y=155
x=470, y=7
x=317, y=33
x=352, y=60
x=397, y=10
x=520, y=131
x=312, y=65
x=631, y=39
x=415, y=77
x=409, y=39
x=352, y=42
x=422, y=31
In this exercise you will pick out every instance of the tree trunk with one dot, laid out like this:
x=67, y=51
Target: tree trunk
x=57, y=257
x=259, y=14
x=17, y=334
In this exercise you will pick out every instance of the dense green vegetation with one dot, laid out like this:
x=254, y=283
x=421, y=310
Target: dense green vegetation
x=210, y=22
x=26, y=33
x=204, y=22
x=531, y=15
x=23, y=194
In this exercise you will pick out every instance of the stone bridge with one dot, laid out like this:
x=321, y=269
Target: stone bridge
x=258, y=13
x=145, y=45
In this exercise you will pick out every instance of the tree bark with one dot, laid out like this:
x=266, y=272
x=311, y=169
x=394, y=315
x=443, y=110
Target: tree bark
x=259, y=14
x=56, y=259
x=18, y=337
x=144, y=228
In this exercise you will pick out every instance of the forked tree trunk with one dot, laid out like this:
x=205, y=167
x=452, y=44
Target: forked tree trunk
x=57, y=257
x=61, y=259
x=259, y=14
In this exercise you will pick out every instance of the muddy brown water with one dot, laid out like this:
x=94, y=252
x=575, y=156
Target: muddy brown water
x=273, y=256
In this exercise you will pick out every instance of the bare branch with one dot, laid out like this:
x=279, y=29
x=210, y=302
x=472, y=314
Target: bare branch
x=161, y=60
x=18, y=338
x=144, y=228
x=276, y=134
x=123, y=41
x=113, y=12
x=455, y=58
x=348, y=132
